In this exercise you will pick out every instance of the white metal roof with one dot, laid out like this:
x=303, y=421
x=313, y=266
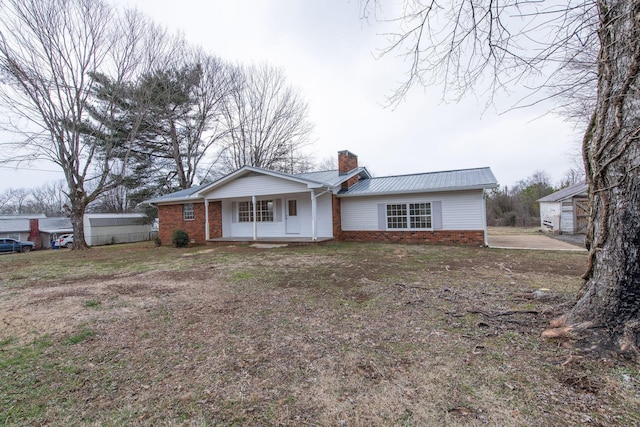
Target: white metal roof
x=579, y=189
x=463, y=179
x=181, y=195
x=116, y=219
x=332, y=178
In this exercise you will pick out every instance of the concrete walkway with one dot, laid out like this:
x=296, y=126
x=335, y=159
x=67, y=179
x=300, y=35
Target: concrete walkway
x=528, y=241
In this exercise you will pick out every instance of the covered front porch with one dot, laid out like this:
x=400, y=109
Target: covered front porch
x=296, y=217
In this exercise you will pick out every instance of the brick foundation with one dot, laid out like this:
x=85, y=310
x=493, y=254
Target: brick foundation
x=444, y=237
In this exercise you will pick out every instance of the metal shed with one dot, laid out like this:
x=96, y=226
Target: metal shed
x=105, y=229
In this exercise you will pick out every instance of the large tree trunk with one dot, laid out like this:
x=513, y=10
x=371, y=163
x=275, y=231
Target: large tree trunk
x=608, y=308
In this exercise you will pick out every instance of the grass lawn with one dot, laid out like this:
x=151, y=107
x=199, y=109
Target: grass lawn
x=331, y=335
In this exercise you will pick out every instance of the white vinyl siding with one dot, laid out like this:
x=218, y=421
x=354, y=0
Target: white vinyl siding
x=460, y=210
x=256, y=185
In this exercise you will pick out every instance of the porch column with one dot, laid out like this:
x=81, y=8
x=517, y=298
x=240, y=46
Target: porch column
x=484, y=217
x=255, y=217
x=314, y=218
x=206, y=219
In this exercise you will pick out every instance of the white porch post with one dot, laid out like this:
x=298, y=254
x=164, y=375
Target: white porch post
x=206, y=219
x=255, y=217
x=314, y=217
x=484, y=218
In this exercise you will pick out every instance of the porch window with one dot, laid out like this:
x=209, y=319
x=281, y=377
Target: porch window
x=409, y=216
x=187, y=212
x=245, y=211
x=264, y=211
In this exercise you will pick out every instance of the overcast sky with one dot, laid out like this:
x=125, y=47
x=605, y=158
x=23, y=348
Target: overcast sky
x=328, y=53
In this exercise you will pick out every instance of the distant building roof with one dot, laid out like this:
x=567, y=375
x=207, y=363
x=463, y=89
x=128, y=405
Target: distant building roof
x=114, y=220
x=579, y=189
x=14, y=225
x=55, y=225
x=463, y=179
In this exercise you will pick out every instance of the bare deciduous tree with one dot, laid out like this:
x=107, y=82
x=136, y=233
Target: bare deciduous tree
x=47, y=50
x=267, y=123
x=48, y=199
x=463, y=42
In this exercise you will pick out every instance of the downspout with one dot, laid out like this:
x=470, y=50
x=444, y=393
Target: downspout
x=206, y=218
x=255, y=217
x=314, y=217
x=484, y=218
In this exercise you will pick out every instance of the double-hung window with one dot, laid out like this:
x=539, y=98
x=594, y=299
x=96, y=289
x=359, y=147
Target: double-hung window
x=245, y=212
x=187, y=212
x=409, y=216
x=264, y=211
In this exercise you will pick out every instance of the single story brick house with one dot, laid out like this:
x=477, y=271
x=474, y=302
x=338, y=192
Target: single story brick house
x=348, y=204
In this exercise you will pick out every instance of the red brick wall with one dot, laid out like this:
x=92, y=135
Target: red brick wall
x=170, y=219
x=447, y=237
x=215, y=220
x=34, y=232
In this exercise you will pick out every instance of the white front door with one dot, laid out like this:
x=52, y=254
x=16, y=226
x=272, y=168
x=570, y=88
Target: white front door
x=292, y=220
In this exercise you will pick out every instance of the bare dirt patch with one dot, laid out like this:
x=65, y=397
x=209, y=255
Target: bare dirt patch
x=326, y=335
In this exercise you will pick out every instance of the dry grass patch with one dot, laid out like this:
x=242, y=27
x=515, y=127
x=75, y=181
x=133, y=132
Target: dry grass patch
x=340, y=334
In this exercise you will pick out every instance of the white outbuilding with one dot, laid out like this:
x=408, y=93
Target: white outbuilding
x=106, y=229
x=565, y=211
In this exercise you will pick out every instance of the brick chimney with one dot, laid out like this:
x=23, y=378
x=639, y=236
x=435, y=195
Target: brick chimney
x=34, y=232
x=347, y=161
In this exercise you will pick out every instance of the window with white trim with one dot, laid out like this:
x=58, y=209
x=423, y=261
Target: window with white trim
x=409, y=216
x=187, y=212
x=245, y=212
x=264, y=211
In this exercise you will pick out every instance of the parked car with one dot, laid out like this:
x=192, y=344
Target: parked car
x=12, y=245
x=65, y=241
